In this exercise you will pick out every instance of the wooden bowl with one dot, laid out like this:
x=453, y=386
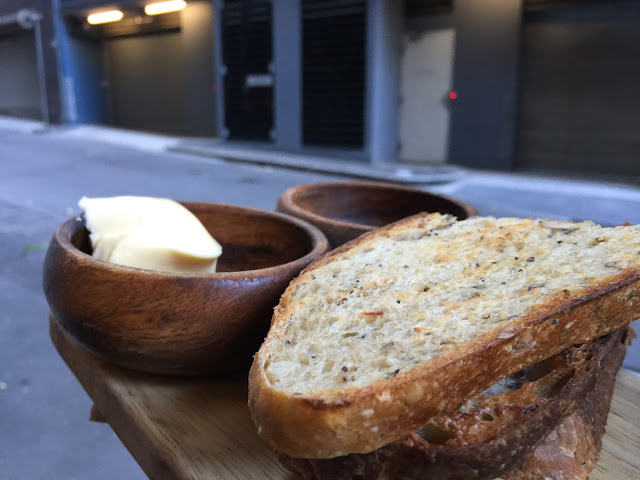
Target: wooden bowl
x=178, y=323
x=346, y=210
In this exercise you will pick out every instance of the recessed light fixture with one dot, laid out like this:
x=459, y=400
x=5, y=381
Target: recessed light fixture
x=164, y=7
x=104, y=17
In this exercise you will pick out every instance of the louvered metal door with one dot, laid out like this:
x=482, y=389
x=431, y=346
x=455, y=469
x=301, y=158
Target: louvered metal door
x=248, y=82
x=333, y=72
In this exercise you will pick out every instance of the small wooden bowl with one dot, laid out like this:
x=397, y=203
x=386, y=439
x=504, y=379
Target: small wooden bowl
x=178, y=323
x=346, y=210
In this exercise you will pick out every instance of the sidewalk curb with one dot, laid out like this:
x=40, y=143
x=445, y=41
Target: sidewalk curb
x=396, y=173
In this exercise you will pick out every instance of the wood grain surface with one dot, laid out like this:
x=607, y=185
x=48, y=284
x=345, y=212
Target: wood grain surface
x=200, y=429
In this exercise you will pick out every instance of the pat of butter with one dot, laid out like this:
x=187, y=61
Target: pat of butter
x=151, y=233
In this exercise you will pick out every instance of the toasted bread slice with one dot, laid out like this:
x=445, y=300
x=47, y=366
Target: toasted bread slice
x=544, y=422
x=410, y=320
x=572, y=450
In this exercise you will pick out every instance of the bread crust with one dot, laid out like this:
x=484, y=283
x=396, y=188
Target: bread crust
x=310, y=426
x=573, y=448
x=527, y=443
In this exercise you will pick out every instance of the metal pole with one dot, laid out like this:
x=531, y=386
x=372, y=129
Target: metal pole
x=44, y=104
x=8, y=19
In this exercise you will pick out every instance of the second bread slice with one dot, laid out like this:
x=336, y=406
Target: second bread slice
x=412, y=319
x=497, y=432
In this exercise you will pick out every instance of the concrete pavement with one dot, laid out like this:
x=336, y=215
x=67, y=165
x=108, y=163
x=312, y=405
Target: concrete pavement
x=44, y=432
x=44, y=427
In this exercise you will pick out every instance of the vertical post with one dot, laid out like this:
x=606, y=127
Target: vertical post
x=384, y=50
x=219, y=74
x=485, y=75
x=287, y=71
x=44, y=104
x=62, y=54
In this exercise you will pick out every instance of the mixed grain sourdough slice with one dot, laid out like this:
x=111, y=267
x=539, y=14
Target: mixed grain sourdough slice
x=410, y=320
x=572, y=449
x=544, y=422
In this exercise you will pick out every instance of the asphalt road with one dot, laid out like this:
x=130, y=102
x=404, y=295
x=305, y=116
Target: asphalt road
x=44, y=427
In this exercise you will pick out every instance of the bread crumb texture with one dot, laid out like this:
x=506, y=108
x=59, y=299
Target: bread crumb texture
x=429, y=286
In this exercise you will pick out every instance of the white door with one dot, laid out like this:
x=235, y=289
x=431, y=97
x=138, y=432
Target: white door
x=425, y=84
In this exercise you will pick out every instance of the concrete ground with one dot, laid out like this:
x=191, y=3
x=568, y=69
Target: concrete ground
x=44, y=427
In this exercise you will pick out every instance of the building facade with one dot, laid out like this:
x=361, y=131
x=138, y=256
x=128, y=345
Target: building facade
x=493, y=84
x=144, y=72
x=29, y=80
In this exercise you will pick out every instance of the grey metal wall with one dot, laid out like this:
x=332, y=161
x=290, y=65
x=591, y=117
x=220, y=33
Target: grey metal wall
x=287, y=59
x=19, y=89
x=146, y=82
x=198, y=46
x=49, y=47
x=580, y=105
x=165, y=82
x=485, y=75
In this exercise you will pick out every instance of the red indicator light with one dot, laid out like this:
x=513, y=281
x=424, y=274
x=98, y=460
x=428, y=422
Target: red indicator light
x=453, y=95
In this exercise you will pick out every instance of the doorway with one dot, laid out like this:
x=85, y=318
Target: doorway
x=426, y=78
x=248, y=82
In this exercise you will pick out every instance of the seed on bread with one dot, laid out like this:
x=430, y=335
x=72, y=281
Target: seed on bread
x=497, y=426
x=463, y=288
x=460, y=353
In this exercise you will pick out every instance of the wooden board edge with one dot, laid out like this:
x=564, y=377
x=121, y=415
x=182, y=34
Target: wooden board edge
x=110, y=405
x=132, y=434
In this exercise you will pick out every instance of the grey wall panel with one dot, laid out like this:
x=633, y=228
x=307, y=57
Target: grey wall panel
x=198, y=48
x=485, y=75
x=384, y=52
x=287, y=58
x=146, y=82
x=165, y=82
x=49, y=46
x=580, y=104
x=19, y=89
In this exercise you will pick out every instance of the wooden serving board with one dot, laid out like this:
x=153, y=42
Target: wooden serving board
x=201, y=429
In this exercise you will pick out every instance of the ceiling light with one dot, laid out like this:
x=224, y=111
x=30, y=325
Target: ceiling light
x=104, y=17
x=164, y=7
